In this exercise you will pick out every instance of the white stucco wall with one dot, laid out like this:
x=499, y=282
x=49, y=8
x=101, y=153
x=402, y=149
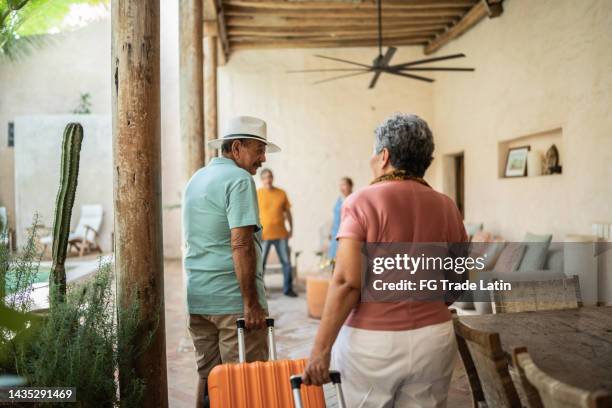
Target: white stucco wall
x=539, y=66
x=325, y=130
x=50, y=81
x=38, y=150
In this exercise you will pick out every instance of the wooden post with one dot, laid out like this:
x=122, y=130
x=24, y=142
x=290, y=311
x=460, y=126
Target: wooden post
x=137, y=189
x=210, y=92
x=191, y=85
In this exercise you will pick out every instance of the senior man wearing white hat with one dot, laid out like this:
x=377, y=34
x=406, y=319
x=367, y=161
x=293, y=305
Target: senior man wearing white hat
x=223, y=264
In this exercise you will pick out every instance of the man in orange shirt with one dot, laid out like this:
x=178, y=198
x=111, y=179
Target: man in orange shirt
x=274, y=209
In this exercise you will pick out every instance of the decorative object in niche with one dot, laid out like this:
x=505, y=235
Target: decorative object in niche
x=516, y=162
x=534, y=163
x=552, y=161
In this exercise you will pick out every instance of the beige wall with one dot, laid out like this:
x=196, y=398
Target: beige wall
x=38, y=151
x=541, y=65
x=50, y=80
x=325, y=131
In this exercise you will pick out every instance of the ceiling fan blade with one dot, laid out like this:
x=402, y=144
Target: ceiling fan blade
x=384, y=62
x=423, y=61
x=436, y=69
x=404, y=74
x=374, y=80
x=326, y=70
x=340, y=77
x=388, y=55
x=345, y=61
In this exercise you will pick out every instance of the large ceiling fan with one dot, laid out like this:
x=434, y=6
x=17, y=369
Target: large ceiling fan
x=381, y=63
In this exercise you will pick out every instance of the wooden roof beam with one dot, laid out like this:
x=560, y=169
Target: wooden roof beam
x=340, y=12
x=365, y=5
x=249, y=45
x=214, y=19
x=484, y=8
x=277, y=22
x=332, y=32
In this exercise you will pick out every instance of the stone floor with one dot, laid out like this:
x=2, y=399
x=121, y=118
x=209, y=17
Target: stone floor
x=294, y=336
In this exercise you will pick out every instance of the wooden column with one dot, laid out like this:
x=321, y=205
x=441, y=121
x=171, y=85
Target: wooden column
x=137, y=188
x=191, y=85
x=210, y=92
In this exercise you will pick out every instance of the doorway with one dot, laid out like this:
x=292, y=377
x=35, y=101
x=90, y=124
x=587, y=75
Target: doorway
x=460, y=184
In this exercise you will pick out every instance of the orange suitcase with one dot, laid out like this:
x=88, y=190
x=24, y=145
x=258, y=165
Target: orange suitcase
x=263, y=384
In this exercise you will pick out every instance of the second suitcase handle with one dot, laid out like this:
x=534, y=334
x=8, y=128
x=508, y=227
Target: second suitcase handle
x=241, y=325
x=296, y=384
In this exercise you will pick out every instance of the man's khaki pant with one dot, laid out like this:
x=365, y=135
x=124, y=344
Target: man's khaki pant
x=216, y=341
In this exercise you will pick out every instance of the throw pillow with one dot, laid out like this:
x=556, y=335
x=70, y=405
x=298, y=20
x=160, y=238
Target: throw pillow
x=510, y=258
x=536, y=249
x=472, y=228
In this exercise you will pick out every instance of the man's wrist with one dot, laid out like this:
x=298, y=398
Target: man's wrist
x=251, y=303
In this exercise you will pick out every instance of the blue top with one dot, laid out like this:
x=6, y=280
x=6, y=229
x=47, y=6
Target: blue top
x=333, y=244
x=219, y=197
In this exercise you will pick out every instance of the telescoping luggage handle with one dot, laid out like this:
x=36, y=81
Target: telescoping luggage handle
x=241, y=325
x=296, y=384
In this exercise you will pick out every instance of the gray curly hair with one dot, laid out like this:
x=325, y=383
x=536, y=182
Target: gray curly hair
x=408, y=139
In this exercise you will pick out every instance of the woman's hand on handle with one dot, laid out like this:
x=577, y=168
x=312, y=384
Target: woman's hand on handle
x=317, y=369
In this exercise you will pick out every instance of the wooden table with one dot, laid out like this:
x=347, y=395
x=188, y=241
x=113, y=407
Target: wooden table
x=574, y=346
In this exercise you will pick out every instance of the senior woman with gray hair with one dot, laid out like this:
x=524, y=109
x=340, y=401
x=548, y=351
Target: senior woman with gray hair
x=401, y=353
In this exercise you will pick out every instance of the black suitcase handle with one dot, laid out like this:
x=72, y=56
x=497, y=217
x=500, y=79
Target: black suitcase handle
x=241, y=326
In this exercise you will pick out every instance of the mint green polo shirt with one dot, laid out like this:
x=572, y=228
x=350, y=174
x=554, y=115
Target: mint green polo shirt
x=219, y=197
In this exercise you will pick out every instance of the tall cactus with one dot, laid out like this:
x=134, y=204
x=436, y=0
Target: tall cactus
x=71, y=152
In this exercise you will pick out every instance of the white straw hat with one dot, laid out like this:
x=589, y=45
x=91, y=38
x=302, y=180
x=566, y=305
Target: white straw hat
x=245, y=127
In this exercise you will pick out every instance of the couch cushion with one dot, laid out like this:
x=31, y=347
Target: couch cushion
x=554, y=259
x=472, y=228
x=536, y=249
x=510, y=258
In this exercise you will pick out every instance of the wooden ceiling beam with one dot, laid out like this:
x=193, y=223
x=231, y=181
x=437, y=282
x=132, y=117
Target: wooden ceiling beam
x=484, y=8
x=298, y=23
x=389, y=39
x=321, y=44
x=232, y=11
x=368, y=5
x=333, y=32
x=214, y=25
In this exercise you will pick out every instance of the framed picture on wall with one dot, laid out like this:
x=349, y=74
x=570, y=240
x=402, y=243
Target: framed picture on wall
x=516, y=162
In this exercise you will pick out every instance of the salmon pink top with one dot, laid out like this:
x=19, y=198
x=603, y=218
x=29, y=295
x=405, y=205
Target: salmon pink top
x=400, y=211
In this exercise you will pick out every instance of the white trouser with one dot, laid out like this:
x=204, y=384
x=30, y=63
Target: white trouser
x=401, y=369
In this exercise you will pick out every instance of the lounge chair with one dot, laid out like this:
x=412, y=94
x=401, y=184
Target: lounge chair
x=85, y=237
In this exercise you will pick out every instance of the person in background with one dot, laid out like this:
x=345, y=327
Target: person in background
x=275, y=211
x=222, y=259
x=391, y=354
x=346, y=188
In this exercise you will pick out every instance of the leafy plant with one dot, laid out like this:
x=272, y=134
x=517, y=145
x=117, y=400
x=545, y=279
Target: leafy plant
x=80, y=342
x=17, y=273
x=23, y=23
x=84, y=106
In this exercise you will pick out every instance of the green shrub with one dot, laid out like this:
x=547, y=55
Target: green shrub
x=77, y=343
